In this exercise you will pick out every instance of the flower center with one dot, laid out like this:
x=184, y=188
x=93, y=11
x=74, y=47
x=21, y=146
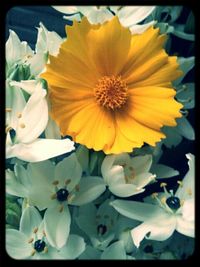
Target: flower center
x=111, y=92
x=39, y=245
x=101, y=229
x=62, y=194
x=173, y=202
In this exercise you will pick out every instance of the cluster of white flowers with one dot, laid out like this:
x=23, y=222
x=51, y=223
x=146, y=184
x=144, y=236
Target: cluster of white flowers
x=70, y=197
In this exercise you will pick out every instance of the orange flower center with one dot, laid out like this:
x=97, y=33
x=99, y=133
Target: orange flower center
x=111, y=92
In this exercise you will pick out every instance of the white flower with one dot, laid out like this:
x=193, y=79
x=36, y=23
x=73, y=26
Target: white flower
x=30, y=241
x=115, y=251
x=18, y=52
x=52, y=130
x=126, y=176
x=99, y=224
x=48, y=43
x=173, y=212
x=25, y=122
x=129, y=16
x=54, y=187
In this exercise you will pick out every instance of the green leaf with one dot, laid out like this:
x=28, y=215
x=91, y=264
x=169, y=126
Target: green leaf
x=186, y=94
x=189, y=26
x=165, y=27
x=186, y=64
x=13, y=212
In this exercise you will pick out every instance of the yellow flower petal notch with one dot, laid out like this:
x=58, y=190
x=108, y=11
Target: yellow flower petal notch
x=111, y=90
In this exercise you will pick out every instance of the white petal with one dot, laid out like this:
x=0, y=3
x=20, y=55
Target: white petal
x=90, y=253
x=130, y=15
x=85, y=219
x=188, y=211
x=142, y=179
x=76, y=16
x=124, y=190
x=68, y=169
x=91, y=187
x=16, y=101
x=138, y=29
x=34, y=117
x=115, y=176
x=185, y=227
x=30, y=219
x=141, y=164
x=136, y=210
x=15, y=49
x=47, y=41
x=66, y=9
x=114, y=252
x=74, y=247
x=22, y=176
x=17, y=245
x=163, y=171
x=123, y=158
x=13, y=185
x=40, y=149
x=41, y=173
x=41, y=196
x=86, y=10
x=106, y=166
x=57, y=225
x=28, y=86
x=159, y=229
x=105, y=209
x=37, y=63
x=187, y=189
x=99, y=16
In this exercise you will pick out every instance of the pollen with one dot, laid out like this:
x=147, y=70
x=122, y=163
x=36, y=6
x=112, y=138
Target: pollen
x=67, y=181
x=33, y=252
x=163, y=200
x=180, y=183
x=154, y=195
x=22, y=125
x=19, y=115
x=30, y=240
x=56, y=182
x=35, y=230
x=163, y=185
x=189, y=191
x=61, y=208
x=111, y=92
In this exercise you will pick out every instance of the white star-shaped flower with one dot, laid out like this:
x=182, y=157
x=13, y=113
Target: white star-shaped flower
x=169, y=213
x=25, y=122
x=30, y=242
x=54, y=187
x=126, y=176
x=129, y=16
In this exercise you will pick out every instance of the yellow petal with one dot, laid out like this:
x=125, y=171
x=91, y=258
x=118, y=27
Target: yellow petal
x=154, y=109
x=143, y=47
x=135, y=131
x=109, y=46
x=168, y=72
x=94, y=127
x=121, y=144
x=147, y=68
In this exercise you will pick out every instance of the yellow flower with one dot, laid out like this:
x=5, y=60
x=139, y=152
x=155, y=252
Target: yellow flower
x=111, y=90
